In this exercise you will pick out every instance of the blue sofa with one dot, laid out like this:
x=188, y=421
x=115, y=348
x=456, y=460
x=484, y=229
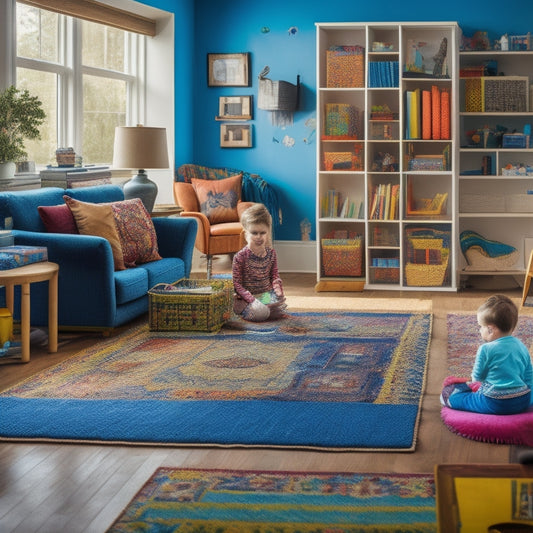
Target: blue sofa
x=92, y=295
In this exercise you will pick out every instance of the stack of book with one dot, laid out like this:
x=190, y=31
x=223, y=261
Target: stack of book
x=21, y=182
x=70, y=177
x=384, y=203
x=427, y=114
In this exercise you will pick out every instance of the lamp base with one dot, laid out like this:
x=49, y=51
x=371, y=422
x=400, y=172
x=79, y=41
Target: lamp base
x=141, y=187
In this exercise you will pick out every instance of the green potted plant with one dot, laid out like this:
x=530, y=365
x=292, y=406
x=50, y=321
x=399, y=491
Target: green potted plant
x=21, y=115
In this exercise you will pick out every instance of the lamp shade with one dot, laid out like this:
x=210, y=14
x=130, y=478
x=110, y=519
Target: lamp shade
x=140, y=147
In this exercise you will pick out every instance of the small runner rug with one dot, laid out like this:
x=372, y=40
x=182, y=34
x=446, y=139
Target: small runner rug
x=464, y=340
x=225, y=501
x=336, y=381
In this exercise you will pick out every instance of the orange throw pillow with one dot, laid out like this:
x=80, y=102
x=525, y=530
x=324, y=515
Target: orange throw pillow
x=218, y=199
x=97, y=219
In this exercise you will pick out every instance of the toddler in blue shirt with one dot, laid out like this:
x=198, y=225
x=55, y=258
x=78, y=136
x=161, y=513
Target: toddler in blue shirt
x=502, y=376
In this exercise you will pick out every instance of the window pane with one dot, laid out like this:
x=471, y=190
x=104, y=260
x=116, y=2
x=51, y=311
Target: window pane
x=44, y=86
x=104, y=108
x=103, y=47
x=37, y=33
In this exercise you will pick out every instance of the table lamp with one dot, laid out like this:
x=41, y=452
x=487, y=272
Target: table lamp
x=140, y=148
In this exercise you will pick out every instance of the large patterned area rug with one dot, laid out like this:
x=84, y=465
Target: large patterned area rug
x=340, y=381
x=225, y=501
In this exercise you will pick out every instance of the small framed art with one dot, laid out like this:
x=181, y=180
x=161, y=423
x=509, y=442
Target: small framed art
x=234, y=108
x=235, y=135
x=228, y=70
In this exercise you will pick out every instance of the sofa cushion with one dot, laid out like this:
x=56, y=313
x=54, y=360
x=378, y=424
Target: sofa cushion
x=136, y=232
x=168, y=270
x=218, y=199
x=58, y=218
x=21, y=207
x=98, y=194
x=131, y=284
x=98, y=219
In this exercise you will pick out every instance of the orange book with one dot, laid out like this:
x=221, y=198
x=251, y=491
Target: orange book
x=444, y=115
x=426, y=114
x=435, y=112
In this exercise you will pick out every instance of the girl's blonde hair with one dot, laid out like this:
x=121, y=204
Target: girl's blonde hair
x=257, y=214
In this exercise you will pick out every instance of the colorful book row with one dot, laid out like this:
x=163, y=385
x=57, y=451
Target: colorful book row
x=427, y=114
x=384, y=202
x=335, y=205
x=383, y=74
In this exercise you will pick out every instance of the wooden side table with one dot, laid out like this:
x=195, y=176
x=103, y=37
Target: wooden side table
x=25, y=276
x=473, y=497
x=165, y=210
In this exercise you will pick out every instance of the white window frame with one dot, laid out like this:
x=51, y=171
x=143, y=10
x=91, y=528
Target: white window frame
x=70, y=71
x=157, y=77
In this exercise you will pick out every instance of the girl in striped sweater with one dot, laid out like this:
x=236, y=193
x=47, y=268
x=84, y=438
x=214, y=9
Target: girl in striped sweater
x=258, y=287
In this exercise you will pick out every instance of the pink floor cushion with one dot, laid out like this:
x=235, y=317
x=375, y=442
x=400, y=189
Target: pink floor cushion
x=500, y=429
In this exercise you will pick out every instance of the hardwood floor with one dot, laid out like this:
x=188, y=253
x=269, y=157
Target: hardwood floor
x=82, y=488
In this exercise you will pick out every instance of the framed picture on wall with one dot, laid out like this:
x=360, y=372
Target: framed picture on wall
x=228, y=70
x=235, y=135
x=234, y=108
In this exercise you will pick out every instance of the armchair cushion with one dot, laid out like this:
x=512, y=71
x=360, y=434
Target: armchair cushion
x=218, y=199
x=186, y=196
x=58, y=218
x=98, y=220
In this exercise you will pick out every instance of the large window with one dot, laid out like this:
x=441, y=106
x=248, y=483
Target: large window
x=86, y=74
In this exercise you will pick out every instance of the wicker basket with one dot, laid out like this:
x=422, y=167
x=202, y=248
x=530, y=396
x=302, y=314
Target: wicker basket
x=474, y=95
x=479, y=260
x=342, y=257
x=183, y=309
x=345, y=66
x=504, y=94
x=422, y=275
x=384, y=274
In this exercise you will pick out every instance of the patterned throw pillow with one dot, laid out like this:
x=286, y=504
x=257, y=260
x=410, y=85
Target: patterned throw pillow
x=218, y=199
x=58, y=218
x=136, y=232
x=97, y=219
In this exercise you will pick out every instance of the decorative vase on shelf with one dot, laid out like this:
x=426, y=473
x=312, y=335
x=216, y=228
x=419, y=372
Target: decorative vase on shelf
x=7, y=170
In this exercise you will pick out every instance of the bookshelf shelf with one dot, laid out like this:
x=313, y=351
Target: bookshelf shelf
x=500, y=218
x=393, y=156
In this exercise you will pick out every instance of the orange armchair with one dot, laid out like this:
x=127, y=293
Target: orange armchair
x=212, y=238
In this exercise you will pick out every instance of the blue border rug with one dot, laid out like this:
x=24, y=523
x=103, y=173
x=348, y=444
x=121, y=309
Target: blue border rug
x=227, y=501
x=336, y=381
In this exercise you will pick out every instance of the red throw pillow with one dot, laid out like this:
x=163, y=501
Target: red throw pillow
x=57, y=218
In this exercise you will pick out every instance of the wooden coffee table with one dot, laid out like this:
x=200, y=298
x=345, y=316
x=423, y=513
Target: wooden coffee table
x=25, y=276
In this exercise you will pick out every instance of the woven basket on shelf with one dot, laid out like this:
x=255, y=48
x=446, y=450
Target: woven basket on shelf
x=342, y=257
x=422, y=275
x=345, y=66
x=481, y=261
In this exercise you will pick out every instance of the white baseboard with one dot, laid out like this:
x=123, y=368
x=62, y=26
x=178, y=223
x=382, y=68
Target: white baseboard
x=296, y=256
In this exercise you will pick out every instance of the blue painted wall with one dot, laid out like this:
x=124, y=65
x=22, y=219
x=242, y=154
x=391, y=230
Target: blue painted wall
x=232, y=26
